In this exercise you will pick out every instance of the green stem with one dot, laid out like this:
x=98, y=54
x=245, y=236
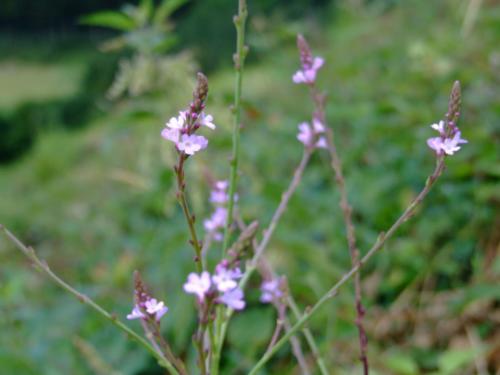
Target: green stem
x=309, y=337
x=239, y=60
x=224, y=315
x=43, y=267
x=181, y=196
x=334, y=290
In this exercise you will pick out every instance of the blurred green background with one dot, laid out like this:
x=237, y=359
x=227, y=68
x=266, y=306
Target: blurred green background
x=86, y=179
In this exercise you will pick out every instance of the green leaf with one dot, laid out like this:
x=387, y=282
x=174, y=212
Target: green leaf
x=111, y=19
x=166, y=8
x=452, y=360
x=402, y=364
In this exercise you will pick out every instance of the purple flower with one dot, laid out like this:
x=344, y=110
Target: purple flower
x=156, y=308
x=198, y=285
x=225, y=279
x=191, y=144
x=152, y=306
x=270, y=291
x=177, y=122
x=308, y=134
x=440, y=127
x=217, y=220
x=171, y=134
x=449, y=144
x=233, y=299
x=308, y=73
x=136, y=313
x=207, y=120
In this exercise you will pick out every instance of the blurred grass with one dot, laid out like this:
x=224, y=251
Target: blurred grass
x=33, y=81
x=99, y=202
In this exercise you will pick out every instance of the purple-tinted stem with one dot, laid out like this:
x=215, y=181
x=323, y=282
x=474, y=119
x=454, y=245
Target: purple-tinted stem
x=336, y=164
x=181, y=196
x=332, y=292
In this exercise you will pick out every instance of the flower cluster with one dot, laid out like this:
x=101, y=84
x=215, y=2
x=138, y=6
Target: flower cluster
x=146, y=307
x=181, y=129
x=219, y=198
x=271, y=291
x=151, y=307
x=449, y=138
x=221, y=287
x=310, y=64
x=310, y=136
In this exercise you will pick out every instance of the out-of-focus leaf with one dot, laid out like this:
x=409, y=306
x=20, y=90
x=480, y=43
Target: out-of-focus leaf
x=144, y=12
x=452, y=360
x=111, y=19
x=401, y=364
x=166, y=8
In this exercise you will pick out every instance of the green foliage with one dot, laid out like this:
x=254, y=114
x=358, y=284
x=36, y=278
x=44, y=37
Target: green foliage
x=99, y=202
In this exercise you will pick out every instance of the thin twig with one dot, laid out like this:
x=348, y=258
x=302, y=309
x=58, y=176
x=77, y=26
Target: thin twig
x=222, y=323
x=239, y=61
x=336, y=164
x=190, y=219
x=297, y=350
x=383, y=237
x=42, y=266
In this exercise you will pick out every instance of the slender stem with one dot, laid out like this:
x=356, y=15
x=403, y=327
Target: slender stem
x=383, y=237
x=336, y=164
x=190, y=219
x=280, y=321
x=225, y=315
x=297, y=350
x=239, y=61
x=42, y=266
x=267, y=271
x=309, y=337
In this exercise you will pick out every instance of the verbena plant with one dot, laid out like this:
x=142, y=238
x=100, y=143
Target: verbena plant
x=219, y=290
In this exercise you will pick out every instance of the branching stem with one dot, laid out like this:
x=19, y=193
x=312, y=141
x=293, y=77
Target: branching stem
x=43, y=267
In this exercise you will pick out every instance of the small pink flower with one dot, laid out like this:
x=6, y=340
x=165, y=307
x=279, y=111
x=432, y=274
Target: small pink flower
x=171, y=134
x=207, y=120
x=198, y=284
x=440, y=127
x=308, y=73
x=217, y=220
x=225, y=279
x=221, y=184
x=177, y=122
x=451, y=145
x=307, y=134
x=191, y=144
x=136, y=313
x=270, y=291
x=157, y=308
x=233, y=299
x=448, y=144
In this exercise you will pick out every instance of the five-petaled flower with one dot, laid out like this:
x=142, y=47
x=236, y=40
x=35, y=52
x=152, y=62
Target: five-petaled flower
x=198, y=284
x=311, y=136
x=271, y=291
x=448, y=141
x=308, y=72
x=233, y=299
x=225, y=279
x=153, y=308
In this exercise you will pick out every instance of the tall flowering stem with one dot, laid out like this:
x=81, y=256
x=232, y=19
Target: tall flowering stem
x=190, y=118
x=319, y=100
x=332, y=292
x=43, y=267
x=239, y=61
x=223, y=322
x=447, y=129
